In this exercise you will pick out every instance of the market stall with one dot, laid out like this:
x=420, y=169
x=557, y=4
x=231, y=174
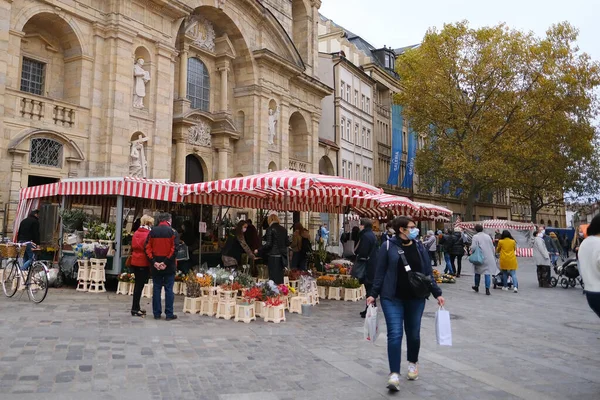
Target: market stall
x=522, y=232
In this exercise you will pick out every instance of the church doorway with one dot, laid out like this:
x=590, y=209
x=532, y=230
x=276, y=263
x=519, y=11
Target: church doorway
x=194, y=173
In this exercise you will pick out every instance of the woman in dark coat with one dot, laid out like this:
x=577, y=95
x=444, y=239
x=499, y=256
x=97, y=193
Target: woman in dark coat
x=366, y=257
x=236, y=246
x=276, y=249
x=457, y=250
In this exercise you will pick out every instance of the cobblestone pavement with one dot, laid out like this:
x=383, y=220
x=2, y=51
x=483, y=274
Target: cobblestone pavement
x=537, y=344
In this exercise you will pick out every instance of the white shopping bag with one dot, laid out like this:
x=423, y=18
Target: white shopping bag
x=443, y=330
x=371, y=324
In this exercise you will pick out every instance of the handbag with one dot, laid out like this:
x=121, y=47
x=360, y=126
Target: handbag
x=229, y=261
x=419, y=282
x=476, y=258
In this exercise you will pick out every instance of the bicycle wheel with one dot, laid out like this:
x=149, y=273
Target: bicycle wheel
x=38, y=283
x=10, y=279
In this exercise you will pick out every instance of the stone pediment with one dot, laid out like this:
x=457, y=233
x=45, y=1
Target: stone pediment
x=201, y=125
x=224, y=47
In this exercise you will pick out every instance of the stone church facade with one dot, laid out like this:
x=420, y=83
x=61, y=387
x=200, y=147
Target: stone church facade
x=187, y=90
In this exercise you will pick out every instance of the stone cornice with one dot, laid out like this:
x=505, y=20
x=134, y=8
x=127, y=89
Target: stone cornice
x=267, y=57
x=312, y=84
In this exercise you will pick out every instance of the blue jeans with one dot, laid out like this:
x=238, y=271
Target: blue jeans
x=159, y=282
x=513, y=275
x=553, y=258
x=398, y=314
x=488, y=280
x=448, y=269
x=27, y=257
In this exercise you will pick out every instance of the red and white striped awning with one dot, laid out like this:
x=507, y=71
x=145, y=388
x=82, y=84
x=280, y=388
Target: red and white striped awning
x=433, y=211
x=387, y=203
x=498, y=224
x=153, y=189
x=287, y=190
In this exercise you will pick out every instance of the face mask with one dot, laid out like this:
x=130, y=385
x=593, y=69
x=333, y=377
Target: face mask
x=543, y=232
x=244, y=230
x=413, y=233
x=580, y=234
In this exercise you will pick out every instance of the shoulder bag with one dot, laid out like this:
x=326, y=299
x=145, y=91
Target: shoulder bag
x=476, y=258
x=419, y=282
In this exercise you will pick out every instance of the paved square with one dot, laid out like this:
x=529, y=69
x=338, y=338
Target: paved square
x=537, y=344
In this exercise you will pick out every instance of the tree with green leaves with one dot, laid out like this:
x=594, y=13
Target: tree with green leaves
x=494, y=101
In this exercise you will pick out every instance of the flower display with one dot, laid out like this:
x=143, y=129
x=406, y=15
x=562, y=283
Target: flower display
x=350, y=283
x=244, y=279
x=253, y=294
x=126, y=277
x=84, y=251
x=273, y=302
x=325, y=280
x=235, y=286
x=294, y=274
x=292, y=290
x=179, y=276
x=283, y=289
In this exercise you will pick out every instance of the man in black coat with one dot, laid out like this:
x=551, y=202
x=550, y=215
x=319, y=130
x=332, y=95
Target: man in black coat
x=29, y=231
x=366, y=257
x=276, y=249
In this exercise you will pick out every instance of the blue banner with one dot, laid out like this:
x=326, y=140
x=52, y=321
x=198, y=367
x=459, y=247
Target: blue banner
x=407, y=183
x=397, y=122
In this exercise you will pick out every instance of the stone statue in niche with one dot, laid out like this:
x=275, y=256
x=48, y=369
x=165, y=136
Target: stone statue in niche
x=202, y=31
x=138, y=166
x=199, y=134
x=141, y=78
x=273, y=118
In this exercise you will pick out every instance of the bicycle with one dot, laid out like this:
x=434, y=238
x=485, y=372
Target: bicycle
x=35, y=281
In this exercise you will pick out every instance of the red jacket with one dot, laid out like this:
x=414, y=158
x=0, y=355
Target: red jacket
x=161, y=246
x=138, y=252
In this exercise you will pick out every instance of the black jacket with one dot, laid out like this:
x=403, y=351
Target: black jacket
x=29, y=230
x=277, y=241
x=456, y=244
x=161, y=246
x=367, y=250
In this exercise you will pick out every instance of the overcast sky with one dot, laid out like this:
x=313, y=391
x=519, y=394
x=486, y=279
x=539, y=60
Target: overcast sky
x=398, y=23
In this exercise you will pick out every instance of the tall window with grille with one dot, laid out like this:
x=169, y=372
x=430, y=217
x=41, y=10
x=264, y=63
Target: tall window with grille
x=33, y=76
x=198, y=85
x=46, y=152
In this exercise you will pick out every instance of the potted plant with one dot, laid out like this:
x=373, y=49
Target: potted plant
x=73, y=219
x=274, y=310
x=335, y=290
x=351, y=289
x=124, y=283
x=191, y=302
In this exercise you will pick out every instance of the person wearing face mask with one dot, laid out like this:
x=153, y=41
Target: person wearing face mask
x=236, y=246
x=541, y=257
x=403, y=310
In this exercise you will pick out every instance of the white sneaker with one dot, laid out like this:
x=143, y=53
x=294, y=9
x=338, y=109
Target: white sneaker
x=394, y=382
x=516, y=290
x=413, y=372
x=505, y=289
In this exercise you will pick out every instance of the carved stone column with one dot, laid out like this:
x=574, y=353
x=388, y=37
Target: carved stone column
x=183, y=61
x=223, y=163
x=180, y=155
x=224, y=70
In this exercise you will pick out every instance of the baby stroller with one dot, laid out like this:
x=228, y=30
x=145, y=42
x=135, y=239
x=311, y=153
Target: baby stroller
x=497, y=281
x=568, y=275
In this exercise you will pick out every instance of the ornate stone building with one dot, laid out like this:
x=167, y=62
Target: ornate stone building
x=188, y=90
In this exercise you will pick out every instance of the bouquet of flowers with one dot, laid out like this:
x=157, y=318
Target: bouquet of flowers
x=126, y=277
x=193, y=286
x=84, y=251
x=100, y=251
x=244, y=279
x=325, y=280
x=273, y=302
x=332, y=269
x=295, y=274
x=305, y=283
x=269, y=289
x=291, y=289
x=253, y=294
x=179, y=276
x=220, y=275
x=204, y=280
x=233, y=286
x=283, y=289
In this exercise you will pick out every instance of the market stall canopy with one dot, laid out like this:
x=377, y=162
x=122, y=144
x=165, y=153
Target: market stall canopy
x=433, y=212
x=289, y=190
x=522, y=232
x=388, y=203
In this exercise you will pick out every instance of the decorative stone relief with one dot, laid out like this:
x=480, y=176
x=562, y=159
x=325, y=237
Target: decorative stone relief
x=202, y=31
x=138, y=166
x=199, y=134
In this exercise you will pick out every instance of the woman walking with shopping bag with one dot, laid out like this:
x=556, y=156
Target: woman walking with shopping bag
x=403, y=270
x=482, y=243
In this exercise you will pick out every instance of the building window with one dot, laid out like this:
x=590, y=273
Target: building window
x=356, y=128
x=364, y=174
x=356, y=97
x=363, y=137
x=556, y=224
x=32, y=76
x=369, y=172
x=357, y=172
x=344, y=175
x=349, y=170
x=342, y=89
x=349, y=129
x=198, y=85
x=368, y=144
x=342, y=128
x=46, y=152
x=362, y=103
x=348, y=93
x=368, y=104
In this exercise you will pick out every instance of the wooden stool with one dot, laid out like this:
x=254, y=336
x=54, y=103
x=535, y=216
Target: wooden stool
x=275, y=314
x=83, y=275
x=97, y=276
x=259, y=309
x=148, y=288
x=335, y=293
x=294, y=284
x=123, y=288
x=210, y=291
x=286, y=280
x=322, y=291
x=296, y=305
x=245, y=313
x=208, y=305
x=352, y=294
x=286, y=302
x=192, y=305
x=226, y=305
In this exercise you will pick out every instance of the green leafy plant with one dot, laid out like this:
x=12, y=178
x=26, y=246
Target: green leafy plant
x=351, y=283
x=73, y=219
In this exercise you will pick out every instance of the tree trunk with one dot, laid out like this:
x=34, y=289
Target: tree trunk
x=534, y=210
x=470, y=206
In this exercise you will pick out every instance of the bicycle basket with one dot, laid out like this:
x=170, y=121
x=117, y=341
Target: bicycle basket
x=8, y=250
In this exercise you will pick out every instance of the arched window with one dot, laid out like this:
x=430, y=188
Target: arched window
x=556, y=223
x=46, y=152
x=198, y=84
x=542, y=222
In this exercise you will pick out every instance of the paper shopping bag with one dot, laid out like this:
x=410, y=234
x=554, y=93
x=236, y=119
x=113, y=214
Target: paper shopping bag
x=371, y=330
x=443, y=330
